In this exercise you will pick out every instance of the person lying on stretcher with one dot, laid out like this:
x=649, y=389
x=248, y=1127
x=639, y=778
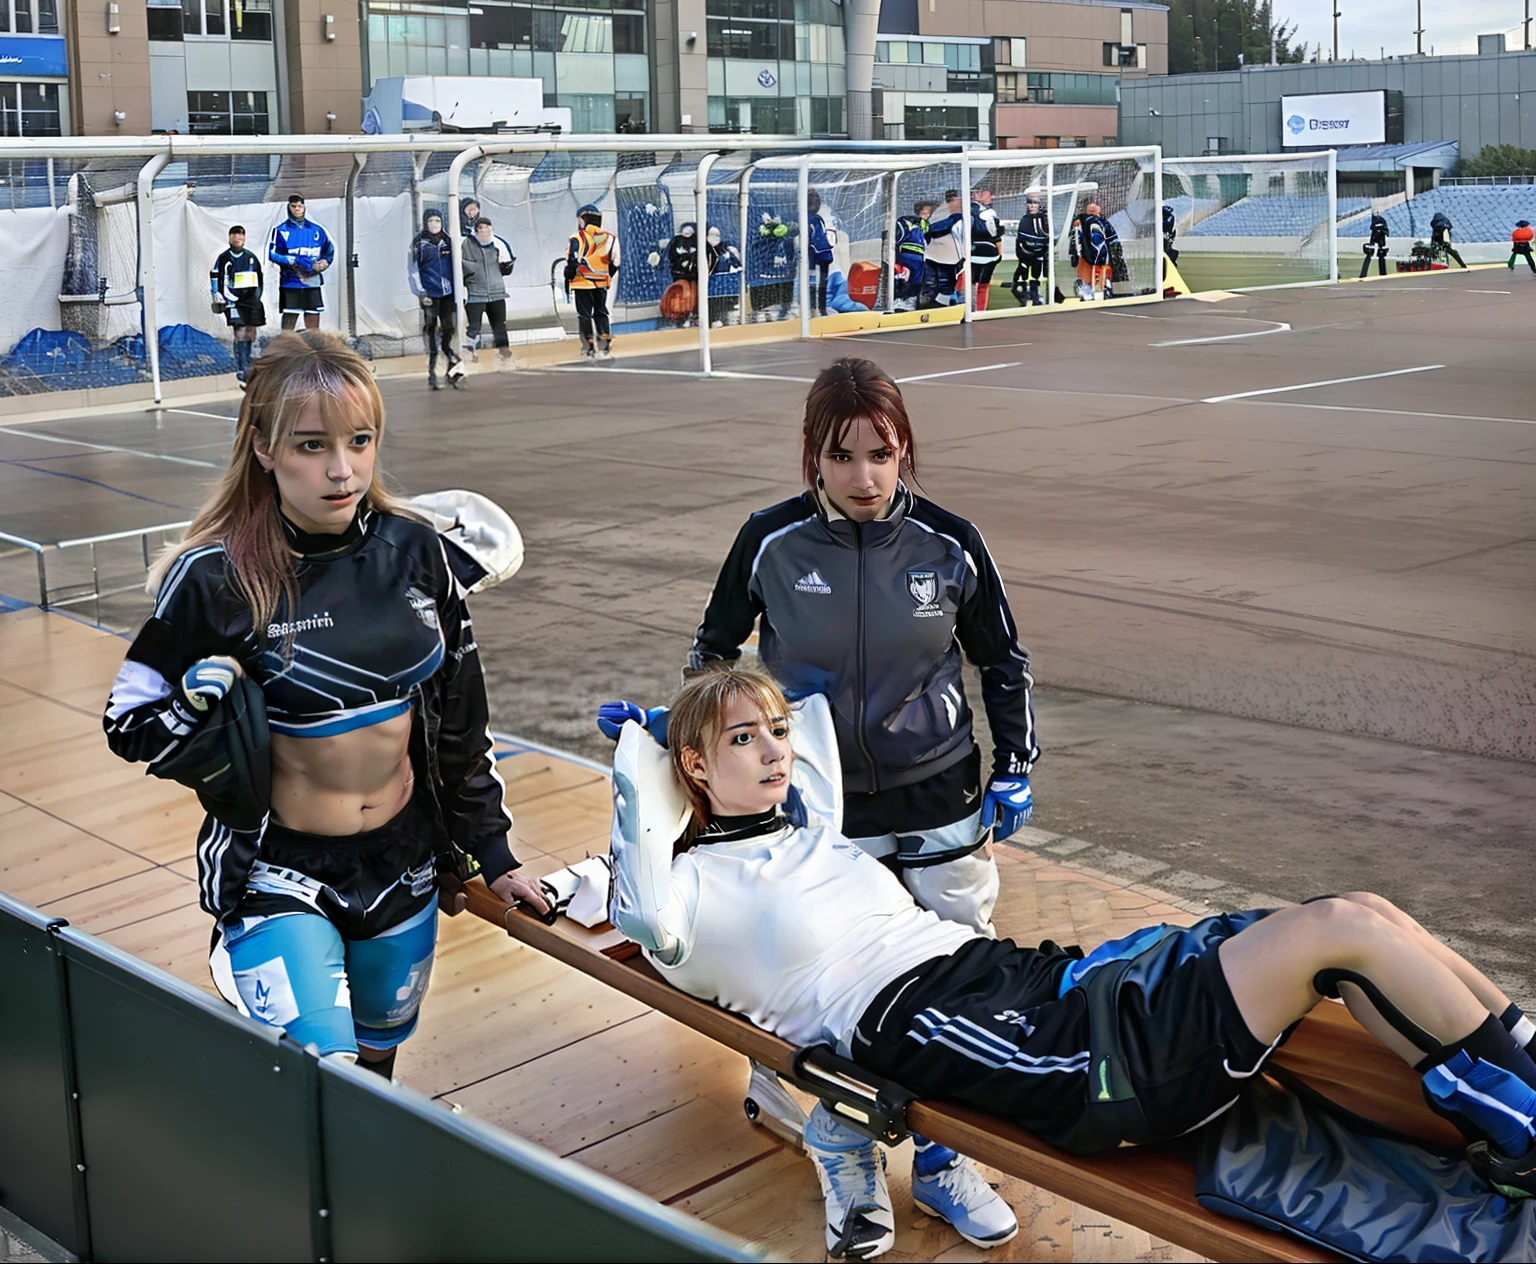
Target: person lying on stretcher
x=732, y=876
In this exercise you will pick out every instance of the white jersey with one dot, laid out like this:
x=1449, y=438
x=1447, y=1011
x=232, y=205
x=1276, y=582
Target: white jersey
x=798, y=930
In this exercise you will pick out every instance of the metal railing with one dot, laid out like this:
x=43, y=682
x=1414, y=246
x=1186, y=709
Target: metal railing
x=58, y=598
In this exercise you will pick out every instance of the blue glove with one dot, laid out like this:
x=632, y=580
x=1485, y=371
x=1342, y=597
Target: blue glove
x=611, y=717
x=205, y=683
x=1006, y=806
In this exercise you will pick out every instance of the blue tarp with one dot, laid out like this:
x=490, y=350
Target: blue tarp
x=54, y=360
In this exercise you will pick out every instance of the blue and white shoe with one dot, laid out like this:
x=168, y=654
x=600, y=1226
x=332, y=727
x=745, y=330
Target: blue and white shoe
x=860, y=1221
x=947, y=1186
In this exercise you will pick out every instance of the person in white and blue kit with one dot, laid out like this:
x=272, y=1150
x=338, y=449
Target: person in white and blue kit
x=304, y=251
x=874, y=596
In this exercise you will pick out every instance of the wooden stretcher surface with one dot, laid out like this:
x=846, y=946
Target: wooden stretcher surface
x=1151, y=1187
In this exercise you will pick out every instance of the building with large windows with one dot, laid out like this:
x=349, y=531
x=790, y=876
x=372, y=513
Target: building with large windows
x=34, y=81
x=1011, y=72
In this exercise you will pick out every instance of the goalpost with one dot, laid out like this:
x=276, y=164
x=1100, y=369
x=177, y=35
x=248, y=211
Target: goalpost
x=1254, y=221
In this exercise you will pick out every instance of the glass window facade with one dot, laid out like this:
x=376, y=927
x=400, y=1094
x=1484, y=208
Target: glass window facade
x=228, y=114
x=29, y=109
x=776, y=66
x=942, y=122
x=211, y=19
x=591, y=54
x=29, y=17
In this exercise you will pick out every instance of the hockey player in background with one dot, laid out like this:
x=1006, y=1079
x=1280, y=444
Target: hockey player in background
x=911, y=242
x=1031, y=245
x=1094, y=246
x=1520, y=244
x=771, y=267
x=1170, y=232
x=303, y=250
x=1440, y=237
x=429, y=269
x=1377, y=242
x=821, y=237
x=488, y=262
x=941, y=264
x=725, y=263
x=236, y=283
x=986, y=246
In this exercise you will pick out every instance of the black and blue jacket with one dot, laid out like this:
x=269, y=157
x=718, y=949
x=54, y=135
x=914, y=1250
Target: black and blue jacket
x=297, y=245
x=911, y=238
x=817, y=240
x=1034, y=236
x=429, y=261
x=876, y=616
x=380, y=629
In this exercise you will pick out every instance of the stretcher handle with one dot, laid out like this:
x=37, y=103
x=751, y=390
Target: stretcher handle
x=872, y=1106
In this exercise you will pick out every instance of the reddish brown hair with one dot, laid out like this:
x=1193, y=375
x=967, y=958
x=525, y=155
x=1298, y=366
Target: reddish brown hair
x=844, y=391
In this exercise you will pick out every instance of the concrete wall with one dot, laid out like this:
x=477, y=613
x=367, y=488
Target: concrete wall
x=1018, y=125
x=108, y=72
x=324, y=76
x=1061, y=36
x=1475, y=101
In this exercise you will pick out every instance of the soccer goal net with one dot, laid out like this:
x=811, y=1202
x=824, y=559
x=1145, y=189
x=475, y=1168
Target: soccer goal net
x=1251, y=222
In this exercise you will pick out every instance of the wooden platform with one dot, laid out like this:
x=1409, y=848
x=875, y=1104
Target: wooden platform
x=508, y=1034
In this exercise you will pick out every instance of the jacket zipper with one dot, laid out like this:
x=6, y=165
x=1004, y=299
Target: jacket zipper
x=858, y=673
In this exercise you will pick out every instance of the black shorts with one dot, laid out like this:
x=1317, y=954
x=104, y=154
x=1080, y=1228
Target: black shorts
x=243, y=315
x=302, y=299
x=983, y=271
x=1017, y=1032
x=950, y=795
x=364, y=883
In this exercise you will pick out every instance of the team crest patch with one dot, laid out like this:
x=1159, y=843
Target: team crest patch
x=424, y=606
x=923, y=588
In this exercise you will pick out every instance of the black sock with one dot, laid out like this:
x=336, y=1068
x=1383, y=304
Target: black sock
x=1490, y=1043
x=1520, y=1027
x=383, y=1067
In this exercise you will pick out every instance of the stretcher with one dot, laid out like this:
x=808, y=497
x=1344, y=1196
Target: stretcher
x=1150, y=1187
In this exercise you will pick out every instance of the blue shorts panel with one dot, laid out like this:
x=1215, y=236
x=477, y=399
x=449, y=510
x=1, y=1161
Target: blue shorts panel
x=389, y=975
x=295, y=971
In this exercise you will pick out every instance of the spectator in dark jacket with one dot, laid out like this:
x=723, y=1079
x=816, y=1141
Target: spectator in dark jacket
x=819, y=240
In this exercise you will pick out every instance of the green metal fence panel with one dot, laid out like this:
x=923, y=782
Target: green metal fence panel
x=409, y=1181
x=141, y=1119
x=37, y=1172
x=194, y=1121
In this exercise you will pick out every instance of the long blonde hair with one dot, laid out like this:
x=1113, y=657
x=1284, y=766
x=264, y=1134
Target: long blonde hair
x=696, y=716
x=242, y=512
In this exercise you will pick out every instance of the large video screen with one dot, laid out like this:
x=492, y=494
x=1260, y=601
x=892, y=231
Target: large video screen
x=1323, y=120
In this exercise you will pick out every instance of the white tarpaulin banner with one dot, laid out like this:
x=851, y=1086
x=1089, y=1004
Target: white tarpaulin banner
x=34, y=241
x=1333, y=118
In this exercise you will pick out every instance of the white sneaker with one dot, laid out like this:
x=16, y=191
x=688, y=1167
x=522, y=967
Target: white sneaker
x=860, y=1221
x=959, y=1194
x=769, y=1105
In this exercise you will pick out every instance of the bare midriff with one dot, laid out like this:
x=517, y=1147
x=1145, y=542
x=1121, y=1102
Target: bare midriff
x=345, y=784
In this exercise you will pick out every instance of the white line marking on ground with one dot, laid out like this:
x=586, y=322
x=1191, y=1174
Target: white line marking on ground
x=1280, y=327
x=937, y=346
x=1332, y=381
x=693, y=373
x=192, y=412
x=1394, y=412
x=1490, y=291
x=110, y=447
x=980, y=368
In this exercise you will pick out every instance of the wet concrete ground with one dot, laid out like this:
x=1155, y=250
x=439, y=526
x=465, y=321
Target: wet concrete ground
x=1285, y=643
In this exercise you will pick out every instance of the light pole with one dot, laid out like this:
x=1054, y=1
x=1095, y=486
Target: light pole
x=1336, y=16
x=1419, y=34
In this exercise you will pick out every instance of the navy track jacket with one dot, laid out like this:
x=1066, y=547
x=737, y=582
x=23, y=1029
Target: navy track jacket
x=875, y=615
